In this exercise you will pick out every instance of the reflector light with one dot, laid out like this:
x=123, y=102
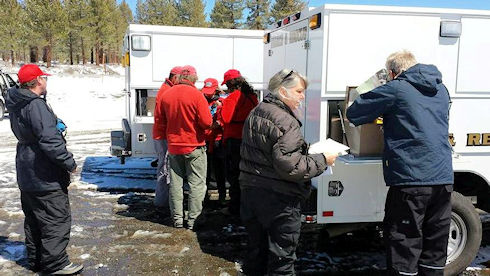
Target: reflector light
x=285, y=21
x=315, y=21
x=267, y=38
x=309, y=218
x=296, y=16
x=328, y=214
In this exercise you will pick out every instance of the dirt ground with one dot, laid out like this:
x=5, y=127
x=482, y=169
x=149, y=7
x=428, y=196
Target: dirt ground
x=122, y=233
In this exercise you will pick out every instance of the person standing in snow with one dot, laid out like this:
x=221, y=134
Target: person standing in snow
x=185, y=117
x=417, y=163
x=43, y=174
x=161, y=189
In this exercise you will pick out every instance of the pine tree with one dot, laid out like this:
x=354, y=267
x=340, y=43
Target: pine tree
x=283, y=8
x=47, y=19
x=227, y=14
x=191, y=13
x=157, y=12
x=12, y=18
x=259, y=15
x=104, y=12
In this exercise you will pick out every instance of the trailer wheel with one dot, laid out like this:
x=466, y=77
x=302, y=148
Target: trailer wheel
x=2, y=110
x=465, y=235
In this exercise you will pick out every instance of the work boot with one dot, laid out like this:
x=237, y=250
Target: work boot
x=68, y=270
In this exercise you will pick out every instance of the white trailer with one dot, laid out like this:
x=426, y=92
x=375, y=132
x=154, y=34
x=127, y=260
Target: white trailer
x=339, y=46
x=150, y=52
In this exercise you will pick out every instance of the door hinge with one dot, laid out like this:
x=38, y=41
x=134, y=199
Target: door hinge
x=307, y=45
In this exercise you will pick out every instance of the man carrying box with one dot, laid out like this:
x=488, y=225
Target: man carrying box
x=417, y=163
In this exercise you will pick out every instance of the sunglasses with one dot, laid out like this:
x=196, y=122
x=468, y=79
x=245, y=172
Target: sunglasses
x=44, y=77
x=287, y=76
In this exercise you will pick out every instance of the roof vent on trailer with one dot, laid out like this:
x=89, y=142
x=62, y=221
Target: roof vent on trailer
x=450, y=29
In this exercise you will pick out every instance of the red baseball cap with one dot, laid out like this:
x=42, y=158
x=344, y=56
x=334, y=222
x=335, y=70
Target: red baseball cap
x=210, y=86
x=231, y=74
x=177, y=70
x=29, y=72
x=188, y=70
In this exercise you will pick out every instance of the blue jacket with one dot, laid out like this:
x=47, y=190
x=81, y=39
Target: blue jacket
x=415, y=109
x=43, y=163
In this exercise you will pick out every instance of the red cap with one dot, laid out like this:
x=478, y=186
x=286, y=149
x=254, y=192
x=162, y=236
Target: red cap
x=210, y=86
x=231, y=74
x=177, y=70
x=188, y=71
x=29, y=72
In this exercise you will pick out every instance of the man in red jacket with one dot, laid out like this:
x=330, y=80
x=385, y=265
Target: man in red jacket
x=161, y=189
x=185, y=117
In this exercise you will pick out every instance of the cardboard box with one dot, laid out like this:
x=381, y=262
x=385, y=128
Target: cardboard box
x=365, y=140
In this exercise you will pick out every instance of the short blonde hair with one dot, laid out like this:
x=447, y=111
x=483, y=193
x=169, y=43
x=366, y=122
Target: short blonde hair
x=191, y=78
x=400, y=61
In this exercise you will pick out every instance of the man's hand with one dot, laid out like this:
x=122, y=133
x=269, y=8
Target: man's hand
x=330, y=158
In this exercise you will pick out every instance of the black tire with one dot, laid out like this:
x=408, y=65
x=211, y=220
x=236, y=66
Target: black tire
x=464, y=236
x=2, y=110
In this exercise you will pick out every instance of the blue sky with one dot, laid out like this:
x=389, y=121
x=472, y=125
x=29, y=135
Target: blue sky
x=461, y=4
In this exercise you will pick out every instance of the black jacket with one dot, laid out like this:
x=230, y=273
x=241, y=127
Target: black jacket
x=274, y=153
x=43, y=163
x=415, y=110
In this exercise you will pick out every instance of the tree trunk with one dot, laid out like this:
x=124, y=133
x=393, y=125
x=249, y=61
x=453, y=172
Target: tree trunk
x=48, y=53
x=84, y=58
x=12, y=56
x=70, y=42
x=97, y=53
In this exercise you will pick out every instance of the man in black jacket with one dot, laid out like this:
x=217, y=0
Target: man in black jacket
x=43, y=174
x=417, y=163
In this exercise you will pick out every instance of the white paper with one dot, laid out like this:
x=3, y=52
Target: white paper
x=330, y=146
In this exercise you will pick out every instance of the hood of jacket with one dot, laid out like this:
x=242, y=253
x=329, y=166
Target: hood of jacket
x=270, y=98
x=425, y=78
x=17, y=98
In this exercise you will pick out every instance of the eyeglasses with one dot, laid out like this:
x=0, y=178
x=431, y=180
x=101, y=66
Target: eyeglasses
x=287, y=76
x=44, y=77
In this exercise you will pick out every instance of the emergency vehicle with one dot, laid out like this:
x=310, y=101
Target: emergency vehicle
x=340, y=46
x=150, y=52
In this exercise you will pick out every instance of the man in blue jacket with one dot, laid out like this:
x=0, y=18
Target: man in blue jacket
x=43, y=174
x=417, y=163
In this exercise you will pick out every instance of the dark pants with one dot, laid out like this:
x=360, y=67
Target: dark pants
x=216, y=164
x=273, y=223
x=233, y=172
x=47, y=228
x=416, y=229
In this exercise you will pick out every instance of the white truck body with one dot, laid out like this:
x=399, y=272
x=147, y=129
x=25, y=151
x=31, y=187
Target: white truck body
x=353, y=43
x=152, y=51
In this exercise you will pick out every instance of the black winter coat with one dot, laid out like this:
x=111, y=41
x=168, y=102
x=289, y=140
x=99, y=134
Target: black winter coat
x=43, y=163
x=274, y=154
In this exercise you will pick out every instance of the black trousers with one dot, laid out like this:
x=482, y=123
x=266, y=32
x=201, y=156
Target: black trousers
x=233, y=173
x=416, y=229
x=47, y=228
x=273, y=223
x=216, y=164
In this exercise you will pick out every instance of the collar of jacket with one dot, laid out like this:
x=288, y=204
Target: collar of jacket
x=186, y=82
x=169, y=82
x=275, y=101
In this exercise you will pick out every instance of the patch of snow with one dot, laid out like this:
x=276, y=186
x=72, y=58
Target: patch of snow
x=80, y=185
x=13, y=235
x=2, y=222
x=84, y=256
x=76, y=228
x=185, y=249
x=150, y=234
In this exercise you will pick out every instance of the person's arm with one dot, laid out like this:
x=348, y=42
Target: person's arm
x=369, y=106
x=204, y=118
x=228, y=107
x=291, y=163
x=50, y=141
